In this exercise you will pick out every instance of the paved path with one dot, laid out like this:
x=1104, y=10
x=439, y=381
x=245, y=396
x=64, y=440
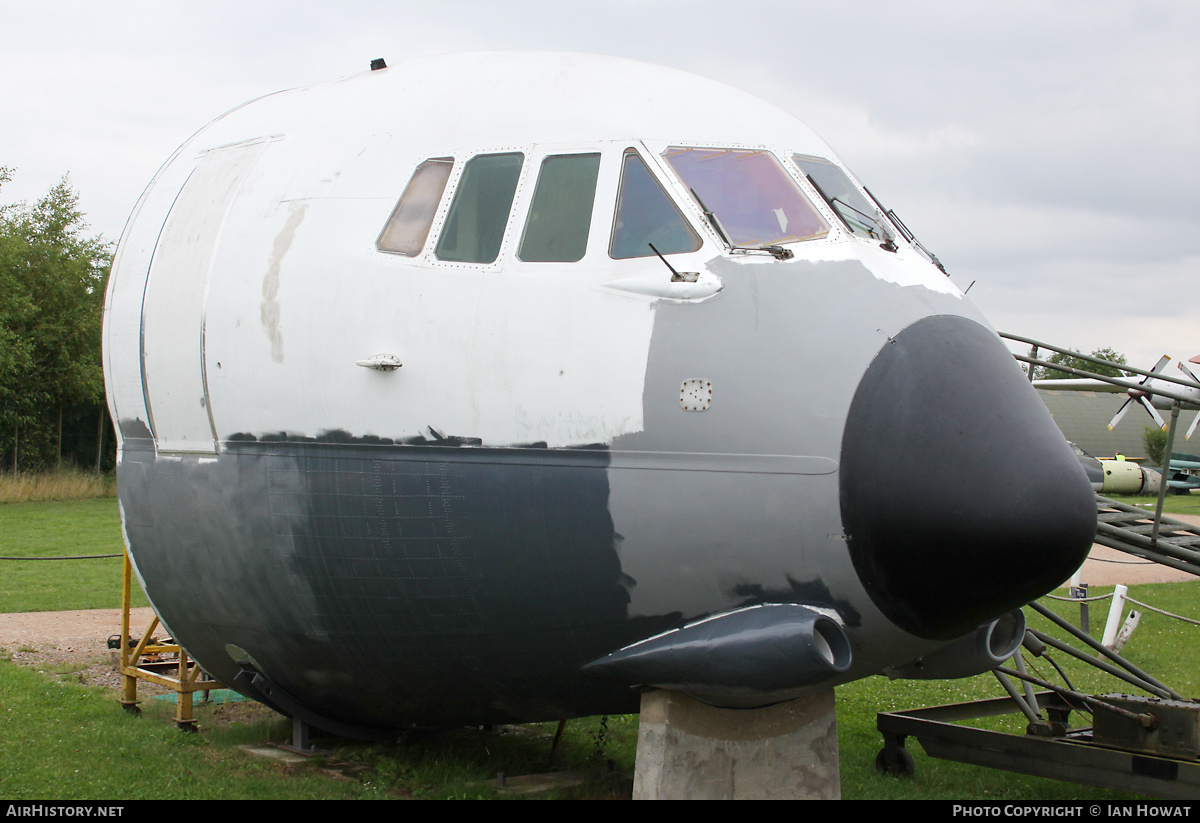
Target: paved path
x=82, y=634
x=1108, y=567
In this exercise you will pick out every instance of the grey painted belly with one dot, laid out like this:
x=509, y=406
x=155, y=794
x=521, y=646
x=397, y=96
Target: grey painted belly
x=391, y=585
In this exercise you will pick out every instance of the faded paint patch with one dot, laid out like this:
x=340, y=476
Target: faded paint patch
x=269, y=311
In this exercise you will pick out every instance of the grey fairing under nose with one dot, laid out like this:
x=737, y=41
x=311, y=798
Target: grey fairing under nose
x=737, y=656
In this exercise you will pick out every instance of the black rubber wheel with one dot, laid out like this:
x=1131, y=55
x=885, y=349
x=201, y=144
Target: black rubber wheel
x=898, y=762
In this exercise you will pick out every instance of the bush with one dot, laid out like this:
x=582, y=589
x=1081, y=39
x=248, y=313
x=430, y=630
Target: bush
x=1155, y=441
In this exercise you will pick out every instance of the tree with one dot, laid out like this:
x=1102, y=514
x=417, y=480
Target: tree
x=52, y=278
x=1155, y=441
x=1043, y=373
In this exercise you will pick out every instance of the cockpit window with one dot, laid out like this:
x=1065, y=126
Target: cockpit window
x=847, y=202
x=408, y=227
x=747, y=195
x=645, y=215
x=560, y=216
x=475, y=225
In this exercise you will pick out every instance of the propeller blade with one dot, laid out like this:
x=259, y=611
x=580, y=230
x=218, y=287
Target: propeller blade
x=1145, y=399
x=1112, y=424
x=1162, y=424
x=1192, y=428
x=1188, y=372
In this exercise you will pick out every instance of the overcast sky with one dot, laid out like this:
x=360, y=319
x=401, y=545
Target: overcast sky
x=1047, y=151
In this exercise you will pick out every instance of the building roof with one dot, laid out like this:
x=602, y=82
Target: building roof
x=1083, y=418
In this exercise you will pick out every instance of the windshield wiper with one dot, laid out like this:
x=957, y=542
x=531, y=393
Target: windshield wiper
x=907, y=233
x=869, y=224
x=887, y=245
x=713, y=220
x=776, y=251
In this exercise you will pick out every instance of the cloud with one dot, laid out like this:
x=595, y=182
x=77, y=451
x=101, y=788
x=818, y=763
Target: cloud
x=1045, y=150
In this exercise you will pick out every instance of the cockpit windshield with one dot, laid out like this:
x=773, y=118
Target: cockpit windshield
x=847, y=202
x=746, y=195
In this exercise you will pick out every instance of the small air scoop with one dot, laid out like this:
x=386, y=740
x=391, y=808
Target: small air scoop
x=758, y=650
x=378, y=63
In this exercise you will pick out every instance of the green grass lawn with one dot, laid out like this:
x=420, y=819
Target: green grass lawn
x=1172, y=503
x=61, y=529
x=64, y=741
x=60, y=739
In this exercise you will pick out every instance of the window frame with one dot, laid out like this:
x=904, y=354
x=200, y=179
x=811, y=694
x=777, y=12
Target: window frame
x=825, y=205
x=433, y=216
x=505, y=232
x=669, y=188
x=540, y=158
x=783, y=162
x=603, y=219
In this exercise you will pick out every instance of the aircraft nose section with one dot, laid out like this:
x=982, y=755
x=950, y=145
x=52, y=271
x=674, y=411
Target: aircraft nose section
x=960, y=497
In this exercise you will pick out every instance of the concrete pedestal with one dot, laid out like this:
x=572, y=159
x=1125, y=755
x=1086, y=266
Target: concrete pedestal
x=689, y=750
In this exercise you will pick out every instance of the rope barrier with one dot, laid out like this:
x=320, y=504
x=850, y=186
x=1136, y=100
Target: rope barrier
x=1160, y=611
x=1079, y=599
x=72, y=557
x=1128, y=599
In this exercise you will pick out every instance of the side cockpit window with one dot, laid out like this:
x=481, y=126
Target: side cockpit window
x=560, y=216
x=478, y=215
x=646, y=215
x=408, y=227
x=746, y=195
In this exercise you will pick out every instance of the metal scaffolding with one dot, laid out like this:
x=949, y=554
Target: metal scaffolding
x=164, y=663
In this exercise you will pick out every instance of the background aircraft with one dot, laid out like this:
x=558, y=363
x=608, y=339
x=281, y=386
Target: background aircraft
x=1117, y=476
x=495, y=387
x=1183, y=473
x=1154, y=391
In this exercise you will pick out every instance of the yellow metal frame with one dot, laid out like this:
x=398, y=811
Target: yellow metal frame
x=181, y=675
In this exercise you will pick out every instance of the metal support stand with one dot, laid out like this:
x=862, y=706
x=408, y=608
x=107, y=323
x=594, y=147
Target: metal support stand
x=1145, y=745
x=301, y=742
x=1067, y=755
x=163, y=663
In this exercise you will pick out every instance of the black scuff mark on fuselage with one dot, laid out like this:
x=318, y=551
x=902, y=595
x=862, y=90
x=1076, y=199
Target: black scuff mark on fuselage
x=343, y=437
